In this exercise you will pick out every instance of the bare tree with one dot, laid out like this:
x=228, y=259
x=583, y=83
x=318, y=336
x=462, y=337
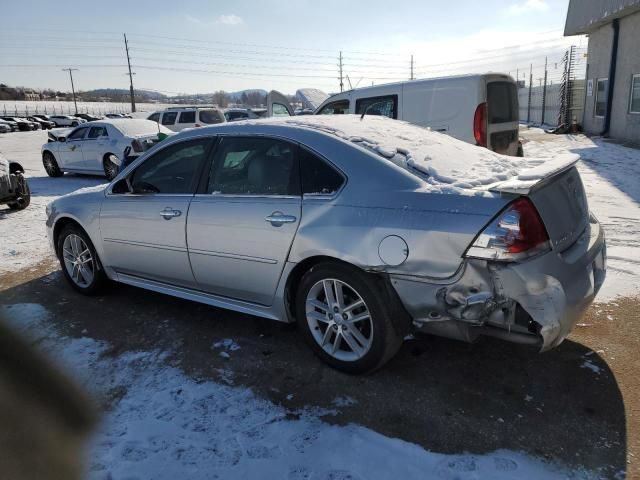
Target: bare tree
x=220, y=98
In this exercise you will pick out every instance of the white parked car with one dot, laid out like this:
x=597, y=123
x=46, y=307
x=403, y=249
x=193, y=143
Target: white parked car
x=179, y=118
x=100, y=147
x=66, y=120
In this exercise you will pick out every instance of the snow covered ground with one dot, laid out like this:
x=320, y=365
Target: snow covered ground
x=611, y=174
x=167, y=426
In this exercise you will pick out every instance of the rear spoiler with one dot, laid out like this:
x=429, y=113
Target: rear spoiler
x=533, y=178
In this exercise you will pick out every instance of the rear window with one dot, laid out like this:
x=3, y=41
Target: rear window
x=502, y=100
x=335, y=108
x=386, y=106
x=211, y=116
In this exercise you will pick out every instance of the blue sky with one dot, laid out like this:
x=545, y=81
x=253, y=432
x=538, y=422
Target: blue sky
x=206, y=45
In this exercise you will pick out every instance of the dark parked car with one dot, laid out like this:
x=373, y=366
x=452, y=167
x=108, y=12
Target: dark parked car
x=14, y=190
x=44, y=124
x=5, y=127
x=13, y=125
x=23, y=125
x=88, y=117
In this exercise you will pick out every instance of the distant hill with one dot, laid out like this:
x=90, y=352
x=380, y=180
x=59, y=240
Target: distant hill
x=121, y=95
x=235, y=96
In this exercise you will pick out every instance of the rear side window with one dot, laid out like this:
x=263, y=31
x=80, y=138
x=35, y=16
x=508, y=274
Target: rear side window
x=187, y=117
x=169, y=118
x=502, y=100
x=318, y=177
x=386, y=106
x=154, y=117
x=335, y=108
x=211, y=116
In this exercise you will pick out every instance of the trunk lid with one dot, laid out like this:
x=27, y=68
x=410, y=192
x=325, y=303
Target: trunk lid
x=556, y=190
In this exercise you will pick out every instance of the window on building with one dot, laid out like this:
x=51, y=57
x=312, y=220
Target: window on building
x=634, y=103
x=386, y=106
x=601, y=97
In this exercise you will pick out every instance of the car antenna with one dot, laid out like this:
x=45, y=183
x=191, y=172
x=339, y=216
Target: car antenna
x=368, y=107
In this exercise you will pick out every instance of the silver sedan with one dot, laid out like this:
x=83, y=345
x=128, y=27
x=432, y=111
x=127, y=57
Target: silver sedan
x=360, y=230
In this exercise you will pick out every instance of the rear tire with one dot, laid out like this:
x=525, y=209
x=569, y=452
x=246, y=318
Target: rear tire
x=51, y=165
x=74, y=124
x=361, y=318
x=79, y=260
x=111, y=169
x=24, y=194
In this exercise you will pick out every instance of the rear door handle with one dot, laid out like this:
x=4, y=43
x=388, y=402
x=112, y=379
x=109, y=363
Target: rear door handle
x=168, y=213
x=278, y=218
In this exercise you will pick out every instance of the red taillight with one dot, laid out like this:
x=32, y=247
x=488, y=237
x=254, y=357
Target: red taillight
x=516, y=234
x=531, y=232
x=137, y=146
x=480, y=125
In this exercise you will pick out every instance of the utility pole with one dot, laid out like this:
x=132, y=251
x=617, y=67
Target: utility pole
x=340, y=66
x=530, y=85
x=73, y=90
x=544, y=92
x=411, y=78
x=133, y=101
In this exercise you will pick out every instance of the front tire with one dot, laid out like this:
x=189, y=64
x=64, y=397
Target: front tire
x=51, y=165
x=79, y=260
x=343, y=317
x=24, y=194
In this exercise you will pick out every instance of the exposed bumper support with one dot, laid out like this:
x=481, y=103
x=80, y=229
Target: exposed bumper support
x=483, y=298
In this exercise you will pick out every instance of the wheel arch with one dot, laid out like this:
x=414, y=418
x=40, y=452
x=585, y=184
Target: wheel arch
x=62, y=222
x=400, y=317
x=15, y=167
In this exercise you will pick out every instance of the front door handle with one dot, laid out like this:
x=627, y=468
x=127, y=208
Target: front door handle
x=168, y=213
x=278, y=218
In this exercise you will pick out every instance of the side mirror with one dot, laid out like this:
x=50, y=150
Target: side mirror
x=121, y=186
x=62, y=139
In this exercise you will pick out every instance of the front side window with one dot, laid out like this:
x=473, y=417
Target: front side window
x=254, y=166
x=187, y=117
x=154, y=117
x=601, y=97
x=386, y=106
x=97, y=132
x=169, y=118
x=78, y=134
x=318, y=177
x=172, y=170
x=634, y=103
x=338, y=107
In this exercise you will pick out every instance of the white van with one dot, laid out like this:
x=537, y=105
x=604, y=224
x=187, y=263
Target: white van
x=478, y=109
x=179, y=118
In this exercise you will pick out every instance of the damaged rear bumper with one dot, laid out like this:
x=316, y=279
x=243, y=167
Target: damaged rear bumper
x=535, y=302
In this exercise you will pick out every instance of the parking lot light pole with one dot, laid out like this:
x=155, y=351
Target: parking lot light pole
x=133, y=101
x=73, y=90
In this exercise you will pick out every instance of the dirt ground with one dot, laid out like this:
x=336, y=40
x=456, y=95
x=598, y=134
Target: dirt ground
x=578, y=404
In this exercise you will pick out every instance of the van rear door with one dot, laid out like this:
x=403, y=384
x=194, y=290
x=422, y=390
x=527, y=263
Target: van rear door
x=278, y=105
x=502, y=116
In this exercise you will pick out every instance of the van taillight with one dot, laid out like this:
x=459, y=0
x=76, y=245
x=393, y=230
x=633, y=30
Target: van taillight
x=480, y=125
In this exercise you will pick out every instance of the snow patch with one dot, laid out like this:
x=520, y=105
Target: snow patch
x=166, y=425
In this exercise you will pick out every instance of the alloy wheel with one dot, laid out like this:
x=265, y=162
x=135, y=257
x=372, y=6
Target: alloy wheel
x=78, y=260
x=110, y=168
x=339, y=319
